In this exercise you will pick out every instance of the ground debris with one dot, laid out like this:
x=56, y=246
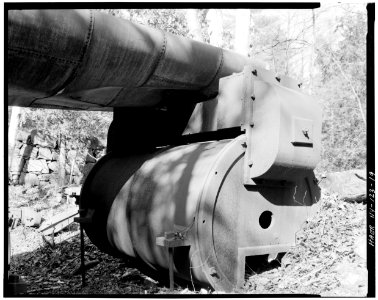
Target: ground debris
x=330, y=252
x=328, y=255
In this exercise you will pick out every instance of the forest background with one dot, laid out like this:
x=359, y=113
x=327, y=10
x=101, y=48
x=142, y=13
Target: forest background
x=324, y=49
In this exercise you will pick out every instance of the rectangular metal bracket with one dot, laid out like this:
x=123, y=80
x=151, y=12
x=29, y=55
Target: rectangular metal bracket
x=172, y=240
x=87, y=218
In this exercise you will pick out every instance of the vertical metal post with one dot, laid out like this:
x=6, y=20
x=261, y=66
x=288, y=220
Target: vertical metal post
x=82, y=255
x=170, y=266
x=82, y=258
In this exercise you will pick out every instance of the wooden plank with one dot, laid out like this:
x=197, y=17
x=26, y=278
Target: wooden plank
x=58, y=222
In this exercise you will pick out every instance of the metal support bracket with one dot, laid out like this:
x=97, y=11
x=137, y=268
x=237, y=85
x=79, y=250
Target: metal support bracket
x=171, y=240
x=247, y=118
x=86, y=216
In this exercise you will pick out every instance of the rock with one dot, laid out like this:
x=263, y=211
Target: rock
x=55, y=155
x=26, y=150
x=45, y=153
x=44, y=183
x=30, y=218
x=30, y=179
x=186, y=291
x=360, y=247
x=18, y=163
x=38, y=138
x=263, y=281
x=352, y=278
x=53, y=166
x=44, y=177
x=37, y=165
x=349, y=185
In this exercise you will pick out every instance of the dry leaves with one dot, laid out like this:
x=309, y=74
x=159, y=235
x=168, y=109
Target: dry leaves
x=327, y=261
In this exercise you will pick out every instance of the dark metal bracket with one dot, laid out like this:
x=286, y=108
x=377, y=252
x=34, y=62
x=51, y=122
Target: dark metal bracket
x=171, y=240
x=86, y=216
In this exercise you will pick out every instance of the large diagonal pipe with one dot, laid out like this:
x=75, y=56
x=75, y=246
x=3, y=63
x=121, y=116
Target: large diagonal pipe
x=85, y=59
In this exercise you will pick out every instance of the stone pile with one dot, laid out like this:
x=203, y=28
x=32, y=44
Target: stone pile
x=350, y=186
x=35, y=160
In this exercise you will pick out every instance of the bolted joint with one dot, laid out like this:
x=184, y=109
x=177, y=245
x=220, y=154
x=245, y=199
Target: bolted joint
x=213, y=272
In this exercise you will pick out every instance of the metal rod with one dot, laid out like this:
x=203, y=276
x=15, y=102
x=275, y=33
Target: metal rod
x=81, y=213
x=170, y=262
x=82, y=255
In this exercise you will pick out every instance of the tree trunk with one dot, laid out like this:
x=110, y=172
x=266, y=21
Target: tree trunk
x=12, y=131
x=312, y=62
x=62, y=161
x=287, y=67
x=194, y=25
x=241, y=44
x=214, y=18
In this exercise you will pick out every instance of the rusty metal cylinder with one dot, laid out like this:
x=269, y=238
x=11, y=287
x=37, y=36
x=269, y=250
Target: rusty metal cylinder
x=197, y=192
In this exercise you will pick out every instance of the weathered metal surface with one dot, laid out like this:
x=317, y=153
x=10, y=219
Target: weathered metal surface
x=200, y=188
x=85, y=59
x=243, y=192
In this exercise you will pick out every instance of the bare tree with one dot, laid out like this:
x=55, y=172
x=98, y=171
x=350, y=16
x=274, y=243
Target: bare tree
x=215, y=21
x=243, y=18
x=194, y=24
x=12, y=131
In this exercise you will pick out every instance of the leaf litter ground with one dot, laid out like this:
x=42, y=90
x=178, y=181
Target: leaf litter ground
x=329, y=260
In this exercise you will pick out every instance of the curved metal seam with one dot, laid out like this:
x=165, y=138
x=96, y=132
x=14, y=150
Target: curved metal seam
x=114, y=98
x=84, y=51
x=157, y=62
x=217, y=72
x=79, y=63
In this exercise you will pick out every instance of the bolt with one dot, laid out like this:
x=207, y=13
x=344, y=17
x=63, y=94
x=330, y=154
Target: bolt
x=213, y=272
x=278, y=79
x=254, y=72
x=253, y=97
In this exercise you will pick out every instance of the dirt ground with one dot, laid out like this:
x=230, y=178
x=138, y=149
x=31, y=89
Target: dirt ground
x=329, y=259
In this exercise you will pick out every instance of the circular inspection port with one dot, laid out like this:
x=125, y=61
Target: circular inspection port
x=265, y=219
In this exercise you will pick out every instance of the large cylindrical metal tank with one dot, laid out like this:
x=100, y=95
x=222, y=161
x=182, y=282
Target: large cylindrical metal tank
x=196, y=191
